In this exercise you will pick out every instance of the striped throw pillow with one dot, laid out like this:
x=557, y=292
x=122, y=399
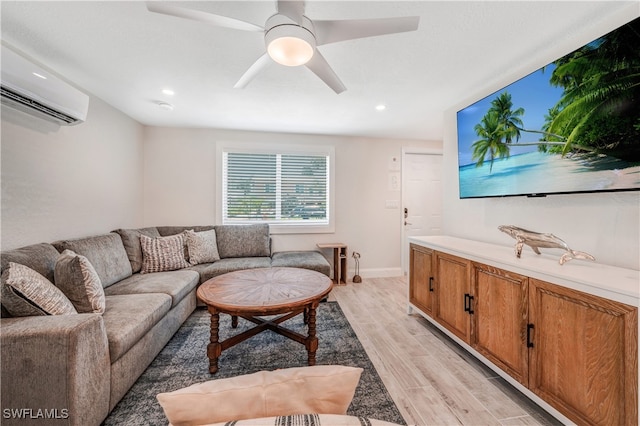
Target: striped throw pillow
x=162, y=253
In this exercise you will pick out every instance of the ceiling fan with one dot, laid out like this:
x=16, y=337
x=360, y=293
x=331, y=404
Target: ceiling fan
x=292, y=39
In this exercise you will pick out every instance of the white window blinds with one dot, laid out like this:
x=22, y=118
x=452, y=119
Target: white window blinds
x=276, y=188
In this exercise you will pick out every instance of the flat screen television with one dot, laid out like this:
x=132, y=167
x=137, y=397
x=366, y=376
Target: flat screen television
x=571, y=126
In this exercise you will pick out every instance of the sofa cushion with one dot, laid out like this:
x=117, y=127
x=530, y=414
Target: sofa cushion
x=243, y=240
x=25, y=292
x=162, y=253
x=79, y=281
x=176, y=284
x=131, y=241
x=313, y=260
x=39, y=257
x=105, y=252
x=323, y=389
x=129, y=317
x=165, y=231
x=223, y=266
x=202, y=246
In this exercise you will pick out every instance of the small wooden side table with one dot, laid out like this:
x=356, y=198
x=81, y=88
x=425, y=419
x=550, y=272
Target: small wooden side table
x=339, y=261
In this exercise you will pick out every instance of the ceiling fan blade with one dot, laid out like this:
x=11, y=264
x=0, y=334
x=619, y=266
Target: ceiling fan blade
x=320, y=67
x=349, y=29
x=252, y=71
x=198, y=15
x=292, y=9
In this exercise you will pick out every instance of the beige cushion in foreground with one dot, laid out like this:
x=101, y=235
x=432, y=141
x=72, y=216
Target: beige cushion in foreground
x=322, y=389
x=309, y=420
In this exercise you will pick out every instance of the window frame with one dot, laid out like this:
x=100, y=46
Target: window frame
x=278, y=227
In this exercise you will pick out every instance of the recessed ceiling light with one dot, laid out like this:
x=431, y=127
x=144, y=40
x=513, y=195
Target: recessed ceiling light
x=381, y=107
x=165, y=105
x=39, y=75
x=168, y=92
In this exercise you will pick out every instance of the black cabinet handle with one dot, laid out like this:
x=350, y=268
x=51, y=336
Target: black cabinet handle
x=430, y=283
x=529, y=329
x=467, y=303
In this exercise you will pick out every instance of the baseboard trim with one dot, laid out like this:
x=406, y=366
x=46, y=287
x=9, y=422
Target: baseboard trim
x=379, y=273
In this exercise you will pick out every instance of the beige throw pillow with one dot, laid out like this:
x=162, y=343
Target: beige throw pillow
x=323, y=389
x=308, y=420
x=25, y=292
x=162, y=253
x=79, y=281
x=202, y=246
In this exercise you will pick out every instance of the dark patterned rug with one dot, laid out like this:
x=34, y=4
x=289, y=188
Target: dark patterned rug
x=183, y=362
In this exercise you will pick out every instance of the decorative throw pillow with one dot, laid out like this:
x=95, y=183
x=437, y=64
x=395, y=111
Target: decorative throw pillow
x=79, y=281
x=202, y=246
x=131, y=241
x=162, y=253
x=26, y=293
x=323, y=389
x=308, y=420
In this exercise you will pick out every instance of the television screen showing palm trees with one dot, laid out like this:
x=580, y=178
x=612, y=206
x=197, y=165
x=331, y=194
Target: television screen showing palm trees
x=571, y=126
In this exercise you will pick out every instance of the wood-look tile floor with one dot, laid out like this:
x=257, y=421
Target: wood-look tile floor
x=432, y=380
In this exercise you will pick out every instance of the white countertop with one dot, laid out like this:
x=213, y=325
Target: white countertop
x=611, y=282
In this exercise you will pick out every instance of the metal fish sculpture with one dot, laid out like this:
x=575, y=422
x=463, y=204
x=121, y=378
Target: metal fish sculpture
x=536, y=240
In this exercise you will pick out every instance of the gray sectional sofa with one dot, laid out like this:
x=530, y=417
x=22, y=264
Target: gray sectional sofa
x=79, y=366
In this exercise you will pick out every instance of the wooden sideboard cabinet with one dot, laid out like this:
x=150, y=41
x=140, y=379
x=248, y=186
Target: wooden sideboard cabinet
x=453, y=298
x=583, y=355
x=499, y=323
x=573, y=352
x=421, y=287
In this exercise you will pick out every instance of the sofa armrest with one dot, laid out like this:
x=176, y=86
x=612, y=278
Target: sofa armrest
x=56, y=364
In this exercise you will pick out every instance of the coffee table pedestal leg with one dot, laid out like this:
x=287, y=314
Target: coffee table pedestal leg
x=312, y=340
x=214, y=349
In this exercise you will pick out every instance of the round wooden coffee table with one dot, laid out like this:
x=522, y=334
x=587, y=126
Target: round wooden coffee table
x=254, y=293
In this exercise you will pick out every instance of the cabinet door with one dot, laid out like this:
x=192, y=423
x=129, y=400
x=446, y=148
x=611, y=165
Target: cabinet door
x=421, y=277
x=452, y=285
x=499, y=322
x=584, y=357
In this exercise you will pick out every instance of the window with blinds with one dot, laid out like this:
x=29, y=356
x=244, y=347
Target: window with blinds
x=283, y=189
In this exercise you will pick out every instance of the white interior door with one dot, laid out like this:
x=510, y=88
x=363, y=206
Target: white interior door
x=421, y=198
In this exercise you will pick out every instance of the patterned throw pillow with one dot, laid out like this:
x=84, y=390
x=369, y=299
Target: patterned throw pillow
x=162, y=253
x=202, y=246
x=27, y=293
x=79, y=281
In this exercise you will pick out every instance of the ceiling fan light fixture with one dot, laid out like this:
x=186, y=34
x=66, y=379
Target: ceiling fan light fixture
x=290, y=51
x=290, y=45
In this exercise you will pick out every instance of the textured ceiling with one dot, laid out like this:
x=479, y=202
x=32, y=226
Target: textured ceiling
x=126, y=55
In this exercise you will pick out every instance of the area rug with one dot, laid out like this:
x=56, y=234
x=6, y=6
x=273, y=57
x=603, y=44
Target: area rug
x=183, y=362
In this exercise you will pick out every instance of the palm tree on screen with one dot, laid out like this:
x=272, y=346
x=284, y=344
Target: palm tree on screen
x=491, y=131
x=601, y=100
x=510, y=120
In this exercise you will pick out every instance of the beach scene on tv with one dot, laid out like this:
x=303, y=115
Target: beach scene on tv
x=571, y=126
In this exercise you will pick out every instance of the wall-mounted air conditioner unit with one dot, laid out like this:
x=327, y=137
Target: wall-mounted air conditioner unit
x=29, y=88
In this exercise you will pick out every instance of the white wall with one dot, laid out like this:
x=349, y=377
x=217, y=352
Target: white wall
x=606, y=225
x=180, y=178
x=65, y=182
